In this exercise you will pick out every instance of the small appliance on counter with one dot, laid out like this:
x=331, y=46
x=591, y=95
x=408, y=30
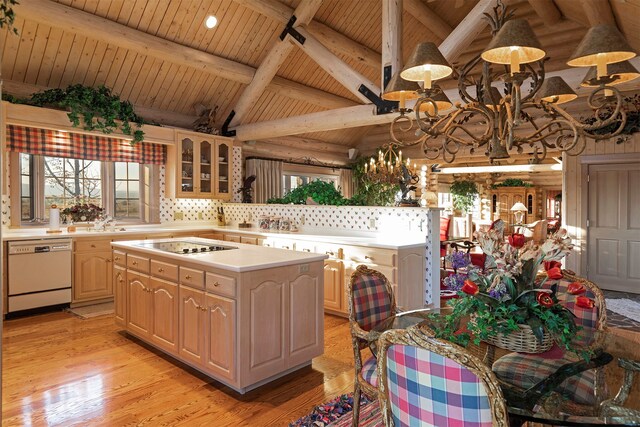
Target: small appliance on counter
x=221, y=219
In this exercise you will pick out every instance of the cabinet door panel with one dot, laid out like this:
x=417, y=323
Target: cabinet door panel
x=221, y=324
x=138, y=318
x=186, y=167
x=205, y=177
x=92, y=276
x=306, y=321
x=191, y=325
x=120, y=295
x=164, y=331
x=333, y=284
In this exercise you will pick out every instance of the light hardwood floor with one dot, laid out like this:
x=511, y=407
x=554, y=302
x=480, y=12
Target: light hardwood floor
x=61, y=370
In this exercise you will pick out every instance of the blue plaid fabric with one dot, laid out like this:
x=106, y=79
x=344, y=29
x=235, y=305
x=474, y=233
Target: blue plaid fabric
x=372, y=302
x=426, y=388
x=369, y=371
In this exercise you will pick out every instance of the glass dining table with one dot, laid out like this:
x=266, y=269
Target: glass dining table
x=619, y=358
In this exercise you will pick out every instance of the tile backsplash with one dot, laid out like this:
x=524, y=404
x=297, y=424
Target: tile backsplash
x=190, y=209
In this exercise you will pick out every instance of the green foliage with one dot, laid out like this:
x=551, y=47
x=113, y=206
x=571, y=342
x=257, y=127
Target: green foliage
x=7, y=15
x=464, y=193
x=512, y=182
x=323, y=193
x=368, y=192
x=97, y=107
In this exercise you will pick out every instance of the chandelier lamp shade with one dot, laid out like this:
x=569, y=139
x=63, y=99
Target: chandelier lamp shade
x=508, y=104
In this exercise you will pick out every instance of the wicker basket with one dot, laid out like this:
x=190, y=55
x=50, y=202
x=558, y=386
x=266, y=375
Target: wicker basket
x=522, y=341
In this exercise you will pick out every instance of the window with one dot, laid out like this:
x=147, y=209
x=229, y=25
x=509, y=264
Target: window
x=124, y=190
x=293, y=176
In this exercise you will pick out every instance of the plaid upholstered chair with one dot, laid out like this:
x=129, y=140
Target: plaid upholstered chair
x=426, y=381
x=371, y=301
x=526, y=370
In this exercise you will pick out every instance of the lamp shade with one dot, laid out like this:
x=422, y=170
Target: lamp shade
x=556, y=90
x=624, y=71
x=426, y=57
x=519, y=206
x=397, y=87
x=515, y=35
x=441, y=100
x=604, y=39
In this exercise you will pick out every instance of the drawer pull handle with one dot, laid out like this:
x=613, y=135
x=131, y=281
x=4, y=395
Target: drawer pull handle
x=134, y=263
x=203, y=308
x=306, y=250
x=187, y=277
x=117, y=258
x=286, y=247
x=368, y=257
x=161, y=270
x=216, y=284
x=93, y=246
x=108, y=260
x=120, y=280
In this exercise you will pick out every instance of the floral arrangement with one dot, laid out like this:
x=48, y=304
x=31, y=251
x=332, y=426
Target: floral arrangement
x=82, y=212
x=509, y=292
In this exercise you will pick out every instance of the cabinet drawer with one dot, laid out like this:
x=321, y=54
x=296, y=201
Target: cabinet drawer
x=92, y=245
x=164, y=270
x=370, y=256
x=305, y=246
x=120, y=258
x=192, y=277
x=222, y=285
x=249, y=240
x=333, y=250
x=214, y=236
x=231, y=238
x=138, y=263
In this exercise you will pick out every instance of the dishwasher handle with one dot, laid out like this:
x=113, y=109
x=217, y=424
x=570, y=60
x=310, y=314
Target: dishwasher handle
x=41, y=249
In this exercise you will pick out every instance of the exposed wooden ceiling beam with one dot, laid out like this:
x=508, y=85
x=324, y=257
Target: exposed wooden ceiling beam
x=598, y=12
x=101, y=29
x=261, y=148
x=335, y=41
x=272, y=62
x=547, y=10
x=391, y=37
x=337, y=68
x=428, y=18
x=151, y=115
x=304, y=144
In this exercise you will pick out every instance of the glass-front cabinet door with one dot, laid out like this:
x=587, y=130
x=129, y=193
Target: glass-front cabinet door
x=187, y=167
x=223, y=176
x=206, y=175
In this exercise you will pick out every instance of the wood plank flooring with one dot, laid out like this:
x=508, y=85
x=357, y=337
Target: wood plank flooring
x=59, y=370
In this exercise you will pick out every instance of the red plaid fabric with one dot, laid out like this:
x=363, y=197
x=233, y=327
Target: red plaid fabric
x=585, y=317
x=527, y=370
x=57, y=143
x=369, y=371
x=372, y=303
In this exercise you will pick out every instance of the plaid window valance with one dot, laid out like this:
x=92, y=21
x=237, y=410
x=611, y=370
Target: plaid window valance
x=57, y=143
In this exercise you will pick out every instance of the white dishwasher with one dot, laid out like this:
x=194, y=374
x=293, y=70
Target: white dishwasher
x=39, y=273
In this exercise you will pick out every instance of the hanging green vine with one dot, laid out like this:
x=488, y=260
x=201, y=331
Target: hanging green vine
x=7, y=15
x=96, y=108
x=464, y=194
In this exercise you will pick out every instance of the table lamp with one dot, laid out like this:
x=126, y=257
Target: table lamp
x=518, y=212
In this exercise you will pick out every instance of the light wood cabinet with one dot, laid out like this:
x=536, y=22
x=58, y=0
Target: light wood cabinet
x=139, y=302
x=203, y=166
x=214, y=236
x=192, y=334
x=334, y=286
x=164, y=314
x=92, y=276
x=503, y=199
x=220, y=333
x=119, y=290
x=232, y=238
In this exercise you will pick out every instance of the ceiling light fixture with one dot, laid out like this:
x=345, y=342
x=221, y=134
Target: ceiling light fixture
x=509, y=121
x=211, y=22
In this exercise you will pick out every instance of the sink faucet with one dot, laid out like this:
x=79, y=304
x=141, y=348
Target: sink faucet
x=101, y=223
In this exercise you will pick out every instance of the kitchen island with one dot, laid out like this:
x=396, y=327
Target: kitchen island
x=242, y=314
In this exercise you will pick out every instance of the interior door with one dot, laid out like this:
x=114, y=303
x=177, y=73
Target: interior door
x=613, y=232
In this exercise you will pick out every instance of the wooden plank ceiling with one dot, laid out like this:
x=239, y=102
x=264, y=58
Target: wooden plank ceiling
x=49, y=56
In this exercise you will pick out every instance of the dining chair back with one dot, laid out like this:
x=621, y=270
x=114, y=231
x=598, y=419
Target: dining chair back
x=425, y=381
x=371, y=301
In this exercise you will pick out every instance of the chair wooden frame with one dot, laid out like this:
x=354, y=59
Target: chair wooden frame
x=361, y=338
x=423, y=338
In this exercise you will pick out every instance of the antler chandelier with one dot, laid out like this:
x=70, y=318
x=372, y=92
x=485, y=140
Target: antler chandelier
x=519, y=117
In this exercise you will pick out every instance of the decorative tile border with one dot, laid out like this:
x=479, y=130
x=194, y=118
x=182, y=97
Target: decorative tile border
x=238, y=173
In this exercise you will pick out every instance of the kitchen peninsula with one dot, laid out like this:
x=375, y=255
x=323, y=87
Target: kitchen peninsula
x=242, y=314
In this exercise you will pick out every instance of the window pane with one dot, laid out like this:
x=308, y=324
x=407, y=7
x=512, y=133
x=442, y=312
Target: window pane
x=134, y=170
x=121, y=170
x=91, y=169
x=121, y=189
x=134, y=190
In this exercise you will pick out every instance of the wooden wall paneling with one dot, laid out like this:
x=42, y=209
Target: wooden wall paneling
x=60, y=60
x=222, y=35
x=37, y=53
x=181, y=81
x=141, y=83
x=21, y=61
x=115, y=7
x=73, y=60
x=139, y=10
x=10, y=48
x=111, y=74
x=194, y=17
x=126, y=12
x=147, y=16
x=169, y=25
x=134, y=77
x=162, y=9
x=194, y=86
x=165, y=85
x=84, y=61
x=96, y=63
x=629, y=27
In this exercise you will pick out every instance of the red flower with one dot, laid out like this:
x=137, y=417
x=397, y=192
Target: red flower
x=544, y=299
x=517, y=240
x=470, y=287
x=550, y=264
x=554, y=273
x=575, y=288
x=585, y=302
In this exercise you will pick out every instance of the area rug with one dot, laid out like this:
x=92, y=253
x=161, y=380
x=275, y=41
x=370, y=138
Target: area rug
x=624, y=307
x=95, y=310
x=333, y=411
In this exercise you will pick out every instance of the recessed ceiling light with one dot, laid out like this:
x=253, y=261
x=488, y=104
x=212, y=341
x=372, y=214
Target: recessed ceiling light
x=211, y=21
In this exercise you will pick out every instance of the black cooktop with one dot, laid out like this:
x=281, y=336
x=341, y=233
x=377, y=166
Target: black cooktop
x=185, y=247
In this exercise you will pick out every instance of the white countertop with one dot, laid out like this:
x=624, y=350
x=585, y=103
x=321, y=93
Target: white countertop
x=407, y=240
x=245, y=258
